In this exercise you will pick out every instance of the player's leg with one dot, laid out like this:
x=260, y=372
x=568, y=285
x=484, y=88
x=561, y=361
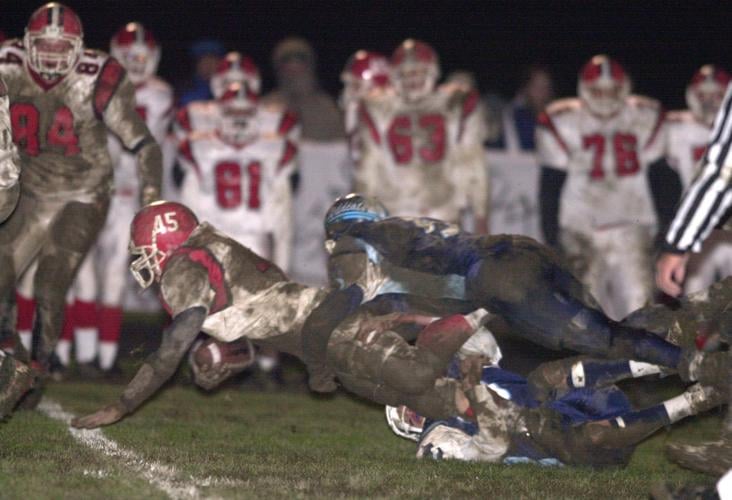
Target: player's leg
x=16, y=379
x=554, y=378
x=26, y=306
x=84, y=313
x=628, y=249
x=71, y=235
x=546, y=304
x=112, y=263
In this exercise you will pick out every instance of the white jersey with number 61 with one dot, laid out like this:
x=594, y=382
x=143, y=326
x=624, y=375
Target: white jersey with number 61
x=243, y=190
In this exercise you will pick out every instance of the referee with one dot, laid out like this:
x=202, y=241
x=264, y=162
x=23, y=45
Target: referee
x=702, y=208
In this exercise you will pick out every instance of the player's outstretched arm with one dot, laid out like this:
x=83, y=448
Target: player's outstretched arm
x=154, y=372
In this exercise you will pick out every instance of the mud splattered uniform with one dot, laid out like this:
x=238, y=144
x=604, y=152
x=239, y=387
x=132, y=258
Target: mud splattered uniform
x=213, y=284
x=60, y=130
x=512, y=276
x=9, y=164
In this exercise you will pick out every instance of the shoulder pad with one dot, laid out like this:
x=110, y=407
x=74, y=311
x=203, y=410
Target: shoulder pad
x=563, y=106
x=159, y=85
x=640, y=101
x=110, y=77
x=679, y=116
x=216, y=277
x=288, y=121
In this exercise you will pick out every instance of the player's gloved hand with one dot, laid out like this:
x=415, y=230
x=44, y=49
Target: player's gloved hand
x=105, y=416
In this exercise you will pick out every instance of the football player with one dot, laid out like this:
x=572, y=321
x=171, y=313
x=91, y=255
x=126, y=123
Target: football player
x=597, y=206
x=240, y=180
x=65, y=99
x=688, y=133
x=431, y=261
x=365, y=73
x=422, y=148
x=210, y=283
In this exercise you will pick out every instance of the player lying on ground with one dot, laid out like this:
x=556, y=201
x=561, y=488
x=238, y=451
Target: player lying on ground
x=512, y=276
x=210, y=283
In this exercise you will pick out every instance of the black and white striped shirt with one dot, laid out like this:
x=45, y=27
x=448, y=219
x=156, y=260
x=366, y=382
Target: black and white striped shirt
x=710, y=194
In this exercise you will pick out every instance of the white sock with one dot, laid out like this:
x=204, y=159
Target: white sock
x=26, y=338
x=678, y=407
x=639, y=369
x=107, y=354
x=86, y=344
x=63, y=351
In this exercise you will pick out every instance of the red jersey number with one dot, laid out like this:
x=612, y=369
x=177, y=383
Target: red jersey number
x=228, y=176
x=697, y=153
x=625, y=149
x=25, y=120
x=430, y=132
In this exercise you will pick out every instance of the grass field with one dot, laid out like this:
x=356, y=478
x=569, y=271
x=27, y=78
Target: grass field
x=246, y=444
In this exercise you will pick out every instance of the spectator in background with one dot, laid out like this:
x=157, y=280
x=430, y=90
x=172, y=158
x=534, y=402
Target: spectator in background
x=205, y=54
x=297, y=87
x=536, y=90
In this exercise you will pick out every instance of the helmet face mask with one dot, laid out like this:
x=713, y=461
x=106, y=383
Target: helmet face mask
x=53, y=41
x=416, y=69
x=146, y=267
x=238, y=115
x=603, y=86
x=705, y=93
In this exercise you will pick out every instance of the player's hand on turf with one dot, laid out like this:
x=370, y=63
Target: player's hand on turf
x=670, y=273
x=105, y=416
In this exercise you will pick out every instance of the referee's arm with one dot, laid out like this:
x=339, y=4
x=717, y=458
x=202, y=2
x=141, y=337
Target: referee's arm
x=703, y=205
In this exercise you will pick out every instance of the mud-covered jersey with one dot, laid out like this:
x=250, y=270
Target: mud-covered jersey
x=9, y=164
x=686, y=142
x=273, y=121
x=243, y=190
x=154, y=103
x=606, y=161
x=61, y=128
x=424, y=158
x=244, y=294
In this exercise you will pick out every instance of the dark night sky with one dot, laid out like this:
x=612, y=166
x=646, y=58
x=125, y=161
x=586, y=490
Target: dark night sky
x=660, y=43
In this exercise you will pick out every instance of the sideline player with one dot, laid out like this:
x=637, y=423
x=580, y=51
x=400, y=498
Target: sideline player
x=65, y=99
x=422, y=147
x=597, y=205
x=688, y=134
x=239, y=180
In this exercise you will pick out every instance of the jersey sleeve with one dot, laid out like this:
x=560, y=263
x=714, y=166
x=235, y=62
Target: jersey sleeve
x=656, y=144
x=709, y=197
x=114, y=103
x=551, y=149
x=185, y=284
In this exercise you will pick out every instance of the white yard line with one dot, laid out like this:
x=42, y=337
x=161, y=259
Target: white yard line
x=164, y=477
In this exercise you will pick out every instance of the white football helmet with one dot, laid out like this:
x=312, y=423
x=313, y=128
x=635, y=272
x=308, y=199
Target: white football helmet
x=404, y=422
x=416, y=69
x=236, y=68
x=705, y=92
x=135, y=48
x=603, y=86
x=54, y=40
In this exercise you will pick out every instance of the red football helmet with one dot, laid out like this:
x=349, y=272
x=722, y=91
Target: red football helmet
x=237, y=119
x=705, y=92
x=135, y=47
x=53, y=40
x=416, y=69
x=236, y=68
x=603, y=85
x=364, y=72
x=157, y=230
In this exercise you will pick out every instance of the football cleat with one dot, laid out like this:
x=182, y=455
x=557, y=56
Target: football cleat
x=135, y=47
x=156, y=232
x=705, y=92
x=352, y=208
x=415, y=69
x=54, y=40
x=603, y=86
